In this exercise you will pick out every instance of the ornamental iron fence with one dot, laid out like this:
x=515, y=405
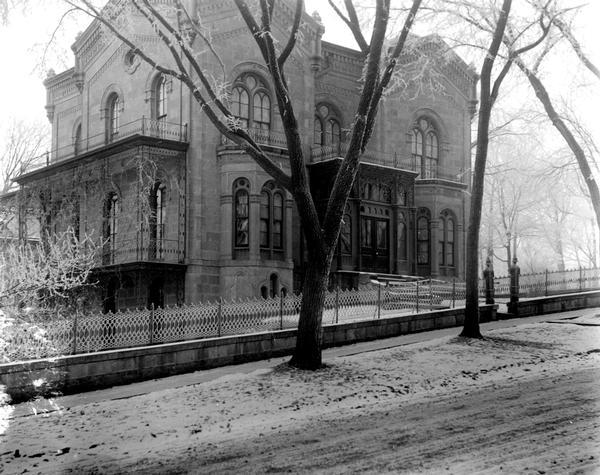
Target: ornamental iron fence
x=140, y=327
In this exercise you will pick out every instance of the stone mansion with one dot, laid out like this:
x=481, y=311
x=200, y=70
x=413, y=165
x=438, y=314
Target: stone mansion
x=185, y=215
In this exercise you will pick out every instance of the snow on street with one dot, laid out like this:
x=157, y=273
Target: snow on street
x=525, y=400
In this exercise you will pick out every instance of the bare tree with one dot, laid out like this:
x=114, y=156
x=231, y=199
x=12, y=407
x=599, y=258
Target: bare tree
x=39, y=273
x=23, y=142
x=179, y=31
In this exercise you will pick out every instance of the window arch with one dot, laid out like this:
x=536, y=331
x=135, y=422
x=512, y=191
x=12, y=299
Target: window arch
x=447, y=239
x=423, y=240
x=425, y=148
x=250, y=102
x=157, y=220
x=241, y=213
x=271, y=217
x=112, y=209
x=159, y=99
x=327, y=127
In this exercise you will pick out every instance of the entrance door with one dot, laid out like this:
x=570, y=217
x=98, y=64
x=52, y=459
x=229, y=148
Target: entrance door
x=375, y=244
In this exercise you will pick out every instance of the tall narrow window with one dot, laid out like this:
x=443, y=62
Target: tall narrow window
x=402, y=252
x=318, y=131
x=274, y=285
x=277, y=220
x=265, y=218
x=240, y=106
x=157, y=221
x=111, y=227
x=77, y=140
x=423, y=240
x=262, y=110
x=113, y=117
x=241, y=209
x=271, y=217
x=346, y=235
x=159, y=99
x=425, y=152
x=447, y=239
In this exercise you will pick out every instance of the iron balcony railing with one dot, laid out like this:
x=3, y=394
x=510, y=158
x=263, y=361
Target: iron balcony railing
x=321, y=153
x=261, y=137
x=143, y=127
x=125, y=251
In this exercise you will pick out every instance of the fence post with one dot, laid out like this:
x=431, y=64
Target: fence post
x=151, y=324
x=580, y=279
x=417, y=296
x=453, y=292
x=546, y=285
x=74, y=351
x=219, y=316
x=430, y=294
x=515, y=271
x=337, y=301
x=378, y=300
x=281, y=310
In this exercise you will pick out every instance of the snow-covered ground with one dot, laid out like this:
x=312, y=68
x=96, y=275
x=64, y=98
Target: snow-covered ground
x=524, y=400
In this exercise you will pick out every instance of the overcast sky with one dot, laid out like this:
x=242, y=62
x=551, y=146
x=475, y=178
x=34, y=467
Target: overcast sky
x=24, y=40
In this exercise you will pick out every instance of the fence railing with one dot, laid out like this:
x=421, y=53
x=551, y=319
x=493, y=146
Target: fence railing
x=143, y=126
x=96, y=332
x=261, y=137
x=548, y=282
x=134, y=250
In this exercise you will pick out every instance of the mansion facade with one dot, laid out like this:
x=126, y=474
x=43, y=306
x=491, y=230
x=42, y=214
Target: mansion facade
x=185, y=215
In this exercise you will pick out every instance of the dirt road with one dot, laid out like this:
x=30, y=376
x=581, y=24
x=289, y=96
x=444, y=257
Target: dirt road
x=525, y=400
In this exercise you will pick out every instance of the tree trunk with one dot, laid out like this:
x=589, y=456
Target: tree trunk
x=307, y=354
x=471, y=325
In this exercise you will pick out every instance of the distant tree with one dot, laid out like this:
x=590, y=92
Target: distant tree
x=47, y=273
x=22, y=143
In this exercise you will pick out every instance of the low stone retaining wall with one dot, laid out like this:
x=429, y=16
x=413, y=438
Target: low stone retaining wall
x=557, y=303
x=67, y=374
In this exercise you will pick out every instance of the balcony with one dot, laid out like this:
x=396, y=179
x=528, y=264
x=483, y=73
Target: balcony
x=126, y=251
x=321, y=153
x=143, y=127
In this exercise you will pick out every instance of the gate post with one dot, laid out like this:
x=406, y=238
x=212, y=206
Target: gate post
x=219, y=316
x=151, y=324
x=417, y=296
x=281, y=310
x=488, y=277
x=74, y=351
x=378, y=300
x=515, y=271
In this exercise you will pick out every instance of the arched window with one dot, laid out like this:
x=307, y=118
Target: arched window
x=241, y=213
x=248, y=86
x=346, y=235
x=425, y=155
x=447, y=239
x=157, y=221
x=159, y=99
x=332, y=132
x=271, y=217
x=77, y=140
x=111, y=227
x=113, y=106
x=423, y=240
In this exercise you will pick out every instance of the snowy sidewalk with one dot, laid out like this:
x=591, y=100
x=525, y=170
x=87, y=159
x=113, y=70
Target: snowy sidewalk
x=204, y=419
